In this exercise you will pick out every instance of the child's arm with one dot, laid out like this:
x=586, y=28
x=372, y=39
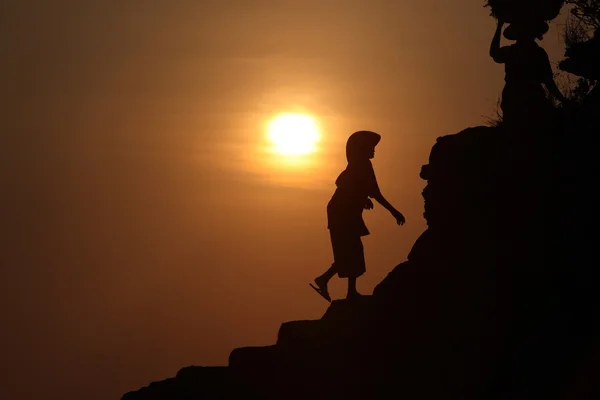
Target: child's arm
x=375, y=193
x=395, y=213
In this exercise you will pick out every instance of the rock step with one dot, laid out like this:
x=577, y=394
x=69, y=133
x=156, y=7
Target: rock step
x=301, y=334
x=315, y=337
x=341, y=311
x=341, y=319
x=165, y=389
x=212, y=374
x=190, y=382
x=255, y=357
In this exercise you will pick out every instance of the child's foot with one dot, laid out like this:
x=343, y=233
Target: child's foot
x=321, y=288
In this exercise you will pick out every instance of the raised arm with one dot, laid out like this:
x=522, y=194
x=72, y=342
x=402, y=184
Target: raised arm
x=495, y=51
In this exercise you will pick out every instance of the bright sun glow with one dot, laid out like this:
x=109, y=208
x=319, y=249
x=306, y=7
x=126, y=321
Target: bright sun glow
x=293, y=134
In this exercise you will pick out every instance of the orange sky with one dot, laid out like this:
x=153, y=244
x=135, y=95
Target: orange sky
x=142, y=231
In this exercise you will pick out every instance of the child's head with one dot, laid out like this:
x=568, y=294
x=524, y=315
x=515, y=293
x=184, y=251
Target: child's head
x=361, y=145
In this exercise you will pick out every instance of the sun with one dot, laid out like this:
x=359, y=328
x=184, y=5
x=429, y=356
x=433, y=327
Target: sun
x=293, y=134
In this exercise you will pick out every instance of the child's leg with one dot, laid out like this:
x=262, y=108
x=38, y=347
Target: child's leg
x=322, y=282
x=357, y=260
x=324, y=279
x=352, y=288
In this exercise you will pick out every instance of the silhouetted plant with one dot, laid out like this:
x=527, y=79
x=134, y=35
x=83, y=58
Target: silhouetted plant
x=574, y=88
x=586, y=12
x=575, y=32
x=496, y=119
x=581, y=49
x=583, y=21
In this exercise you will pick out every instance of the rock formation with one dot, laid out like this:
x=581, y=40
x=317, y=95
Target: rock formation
x=498, y=298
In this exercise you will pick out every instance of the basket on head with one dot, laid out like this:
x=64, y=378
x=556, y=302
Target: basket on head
x=533, y=29
x=525, y=10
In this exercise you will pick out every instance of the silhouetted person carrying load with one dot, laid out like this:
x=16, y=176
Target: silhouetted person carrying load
x=355, y=186
x=524, y=101
x=527, y=67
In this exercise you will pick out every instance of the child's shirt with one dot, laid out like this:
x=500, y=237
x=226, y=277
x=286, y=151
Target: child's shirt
x=354, y=185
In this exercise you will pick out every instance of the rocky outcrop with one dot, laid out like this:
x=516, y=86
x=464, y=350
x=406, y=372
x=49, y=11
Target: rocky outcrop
x=497, y=300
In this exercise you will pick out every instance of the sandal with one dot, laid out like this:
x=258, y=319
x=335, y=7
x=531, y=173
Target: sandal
x=322, y=291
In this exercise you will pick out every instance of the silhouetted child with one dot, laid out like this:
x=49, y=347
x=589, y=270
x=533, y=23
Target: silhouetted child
x=355, y=186
x=527, y=67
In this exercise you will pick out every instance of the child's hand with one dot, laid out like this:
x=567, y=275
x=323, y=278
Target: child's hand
x=399, y=218
x=368, y=204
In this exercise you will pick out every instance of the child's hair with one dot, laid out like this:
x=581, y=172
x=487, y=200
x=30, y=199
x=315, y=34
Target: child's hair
x=359, y=142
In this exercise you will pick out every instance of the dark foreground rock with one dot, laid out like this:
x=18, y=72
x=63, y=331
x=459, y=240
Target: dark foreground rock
x=498, y=298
